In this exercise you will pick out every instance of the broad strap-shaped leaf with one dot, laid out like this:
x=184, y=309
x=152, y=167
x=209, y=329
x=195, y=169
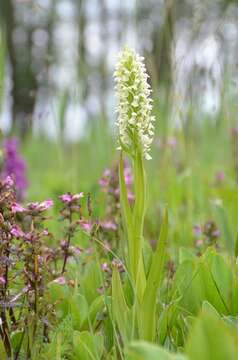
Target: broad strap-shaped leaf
x=211, y=338
x=120, y=311
x=147, y=317
x=141, y=350
x=87, y=346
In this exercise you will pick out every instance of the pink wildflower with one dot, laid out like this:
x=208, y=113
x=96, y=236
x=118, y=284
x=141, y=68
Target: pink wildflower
x=2, y=280
x=69, y=198
x=105, y=267
x=17, y=208
x=17, y=231
x=60, y=280
x=197, y=229
x=109, y=225
x=8, y=181
x=44, y=205
x=86, y=225
x=220, y=177
x=128, y=176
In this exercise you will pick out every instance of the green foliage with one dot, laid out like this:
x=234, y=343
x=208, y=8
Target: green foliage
x=87, y=346
x=146, y=351
x=211, y=338
x=187, y=312
x=122, y=315
x=147, y=315
x=61, y=342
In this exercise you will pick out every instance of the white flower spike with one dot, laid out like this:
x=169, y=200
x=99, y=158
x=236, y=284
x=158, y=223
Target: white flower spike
x=135, y=122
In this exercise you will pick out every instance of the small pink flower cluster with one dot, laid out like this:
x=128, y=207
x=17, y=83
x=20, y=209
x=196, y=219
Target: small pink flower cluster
x=69, y=198
x=109, y=183
x=27, y=264
x=206, y=235
x=36, y=207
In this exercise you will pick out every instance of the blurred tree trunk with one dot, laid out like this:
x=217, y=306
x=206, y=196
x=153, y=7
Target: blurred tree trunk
x=162, y=39
x=83, y=67
x=123, y=20
x=24, y=83
x=103, y=58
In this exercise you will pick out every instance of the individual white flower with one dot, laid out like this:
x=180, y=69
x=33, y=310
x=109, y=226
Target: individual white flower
x=135, y=122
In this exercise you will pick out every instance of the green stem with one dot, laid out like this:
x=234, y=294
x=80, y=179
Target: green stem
x=138, y=224
x=134, y=222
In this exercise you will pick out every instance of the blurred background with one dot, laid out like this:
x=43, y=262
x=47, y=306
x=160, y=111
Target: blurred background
x=57, y=59
x=57, y=103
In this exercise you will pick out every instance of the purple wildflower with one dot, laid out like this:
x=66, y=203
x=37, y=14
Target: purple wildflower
x=118, y=264
x=128, y=176
x=76, y=251
x=42, y=206
x=101, y=290
x=105, y=267
x=105, y=179
x=17, y=208
x=45, y=205
x=85, y=225
x=199, y=242
x=60, y=280
x=197, y=229
x=8, y=181
x=109, y=225
x=15, y=166
x=220, y=177
x=69, y=198
x=2, y=280
x=17, y=231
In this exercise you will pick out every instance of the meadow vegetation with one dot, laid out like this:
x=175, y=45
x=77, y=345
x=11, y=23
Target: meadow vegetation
x=111, y=256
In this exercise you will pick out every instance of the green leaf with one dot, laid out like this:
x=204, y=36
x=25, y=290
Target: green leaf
x=96, y=306
x=79, y=310
x=87, y=346
x=126, y=212
x=142, y=350
x=59, y=295
x=147, y=314
x=207, y=278
x=211, y=338
x=3, y=354
x=185, y=254
x=223, y=220
x=207, y=307
x=120, y=310
x=91, y=281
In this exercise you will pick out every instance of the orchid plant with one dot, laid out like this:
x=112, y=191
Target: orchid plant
x=136, y=130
